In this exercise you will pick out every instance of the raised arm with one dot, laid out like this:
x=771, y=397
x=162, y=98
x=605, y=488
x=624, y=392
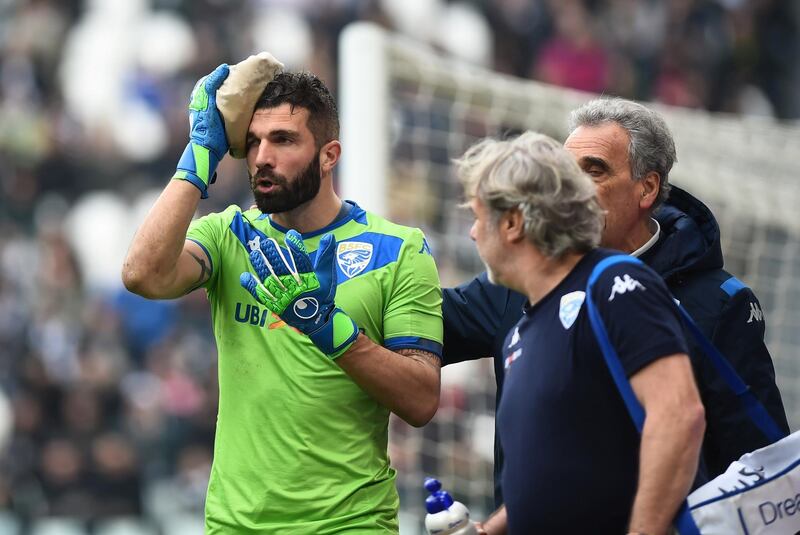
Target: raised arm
x=671, y=439
x=160, y=263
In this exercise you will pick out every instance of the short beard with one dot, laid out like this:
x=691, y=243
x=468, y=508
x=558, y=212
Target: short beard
x=290, y=193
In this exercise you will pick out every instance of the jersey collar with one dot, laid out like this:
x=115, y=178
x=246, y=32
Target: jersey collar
x=354, y=213
x=649, y=243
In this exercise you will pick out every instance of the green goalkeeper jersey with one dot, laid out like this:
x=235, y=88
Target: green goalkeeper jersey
x=301, y=448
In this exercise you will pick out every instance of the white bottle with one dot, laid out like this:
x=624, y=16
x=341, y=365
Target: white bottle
x=445, y=516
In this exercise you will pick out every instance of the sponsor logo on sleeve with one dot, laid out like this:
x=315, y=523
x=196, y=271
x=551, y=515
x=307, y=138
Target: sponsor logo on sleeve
x=624, y=284
x=425, y=248
x=512, y=357
x=570, y=307
x=353, y=257
x=514, y=338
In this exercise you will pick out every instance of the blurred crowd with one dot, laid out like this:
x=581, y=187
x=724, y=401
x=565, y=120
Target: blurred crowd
x=108, y=400
x=113, y=397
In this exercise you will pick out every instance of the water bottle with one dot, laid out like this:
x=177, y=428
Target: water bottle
x=445, y=516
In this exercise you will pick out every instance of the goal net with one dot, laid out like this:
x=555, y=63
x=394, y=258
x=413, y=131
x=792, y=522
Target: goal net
x=406, y=112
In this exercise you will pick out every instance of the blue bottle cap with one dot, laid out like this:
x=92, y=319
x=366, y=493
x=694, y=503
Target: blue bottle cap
x=432, y=485
x=439, y=500
x=433, y=504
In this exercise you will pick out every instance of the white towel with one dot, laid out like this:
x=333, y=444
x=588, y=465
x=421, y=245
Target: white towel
x=237, y=97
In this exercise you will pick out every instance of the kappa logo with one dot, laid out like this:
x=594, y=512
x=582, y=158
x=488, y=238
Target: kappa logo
x=426, y=249
x=756, y=314
x=624, y=284
x=570, y=306
x=353, y=257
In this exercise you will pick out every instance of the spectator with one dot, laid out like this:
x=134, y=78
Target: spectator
x=573, y=57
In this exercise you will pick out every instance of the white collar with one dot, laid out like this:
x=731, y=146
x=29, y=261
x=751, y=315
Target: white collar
x=649, y=243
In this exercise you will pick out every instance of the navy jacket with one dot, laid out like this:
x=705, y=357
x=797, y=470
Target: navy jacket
x=478, y=315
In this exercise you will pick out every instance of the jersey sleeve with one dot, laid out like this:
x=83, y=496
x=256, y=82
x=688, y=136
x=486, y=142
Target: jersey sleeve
x=413, y=315
x=206, y=232
x=640, y=316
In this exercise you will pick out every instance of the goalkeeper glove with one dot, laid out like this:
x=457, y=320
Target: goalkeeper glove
x=300, y=293
x=207, y=141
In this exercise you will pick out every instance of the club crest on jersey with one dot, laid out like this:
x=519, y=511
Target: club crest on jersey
x=569, y=308
x=353, y=257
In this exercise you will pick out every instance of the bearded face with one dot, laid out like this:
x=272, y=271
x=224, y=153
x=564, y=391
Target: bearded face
x=275, y=193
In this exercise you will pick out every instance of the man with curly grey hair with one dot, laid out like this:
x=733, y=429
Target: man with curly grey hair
x=537, y=226
x=499, y=175
x=628, y=151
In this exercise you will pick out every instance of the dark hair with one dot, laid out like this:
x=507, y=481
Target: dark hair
x=304, y=90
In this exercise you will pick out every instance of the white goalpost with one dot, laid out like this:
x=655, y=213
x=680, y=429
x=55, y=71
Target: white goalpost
x=406, y=112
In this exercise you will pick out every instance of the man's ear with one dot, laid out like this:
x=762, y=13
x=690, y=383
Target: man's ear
x=512, y=226
x=329, y=156
x=650, y=185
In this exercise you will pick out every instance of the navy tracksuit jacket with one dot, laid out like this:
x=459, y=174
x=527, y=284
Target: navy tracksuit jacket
x=479, y=314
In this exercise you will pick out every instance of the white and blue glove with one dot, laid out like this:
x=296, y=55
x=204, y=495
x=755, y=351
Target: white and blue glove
x=207, y=141
x=300, y=293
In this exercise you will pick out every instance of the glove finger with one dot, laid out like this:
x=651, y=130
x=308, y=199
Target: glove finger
x=194, y=96
x=216, y=78
x=324, y=265
x=205, y=90
x=256, y=289
x=325, y=252
x=277, y=258
x=249, y=283
x=259, y=263
x=297, y=248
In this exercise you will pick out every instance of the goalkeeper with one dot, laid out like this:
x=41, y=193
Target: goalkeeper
x=335, y=323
